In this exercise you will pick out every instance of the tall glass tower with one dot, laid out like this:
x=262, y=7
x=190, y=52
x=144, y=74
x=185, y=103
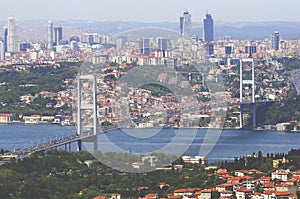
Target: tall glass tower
x=186, y=25
x=5, y=37
x=275, y=40
x=11, y=35
x=58, y=35
x=208, y=29
x=50, y=34
x=145, y=46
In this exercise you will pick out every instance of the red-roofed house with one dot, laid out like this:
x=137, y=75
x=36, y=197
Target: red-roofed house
x=225, y=186
x=226, y=194
x=268, y=194
x=286, y=188
x=297, y=173
x=100, y=197
x=173, y=197
x=115, y=196
x=283, y=175
x=264, y=179
x=282, y=194
x=205, y=194
x=186, y=191
x=151, y=196
x=269, y=186
x=242, y=193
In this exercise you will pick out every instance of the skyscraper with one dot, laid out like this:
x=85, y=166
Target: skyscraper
x=145, y=46
x=2, y=52
x=11, y=35
x=275, y=40
x=50, y=34
x=208, y=28
x=5, y=37
x=185, y=25
x=163, y=45
x=58, y=34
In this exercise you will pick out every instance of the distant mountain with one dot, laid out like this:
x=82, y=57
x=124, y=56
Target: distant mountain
x=258, y=31
x=37, y=29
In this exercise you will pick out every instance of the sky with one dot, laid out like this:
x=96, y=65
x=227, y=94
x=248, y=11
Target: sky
x=152, y=10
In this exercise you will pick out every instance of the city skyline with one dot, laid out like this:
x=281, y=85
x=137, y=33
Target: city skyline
x=149, y=11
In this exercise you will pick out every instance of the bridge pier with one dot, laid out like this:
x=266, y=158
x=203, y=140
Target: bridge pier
x=251, y=107
x=89, y=140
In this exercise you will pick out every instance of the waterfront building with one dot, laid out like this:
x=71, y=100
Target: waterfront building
x=186, y=25
x=208, y=28
x=11, y=35
x=275, y=40
x=5, y=117
x=50, y=34
x=58, y=35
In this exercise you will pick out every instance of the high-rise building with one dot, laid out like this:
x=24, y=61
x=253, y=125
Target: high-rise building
x=186, y=25
x=74, y=38
x=145, y=46
x=5, y=37
x=250, y=50
x=275, y=40
x=208, y=28
x=58, y=35
x=11, y=35
x=163, y=45
x=2, y=52
x=50, y=34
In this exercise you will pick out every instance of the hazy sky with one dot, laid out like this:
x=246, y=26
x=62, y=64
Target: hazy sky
x=152, y=10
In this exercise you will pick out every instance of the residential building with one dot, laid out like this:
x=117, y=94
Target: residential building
x=283, y=175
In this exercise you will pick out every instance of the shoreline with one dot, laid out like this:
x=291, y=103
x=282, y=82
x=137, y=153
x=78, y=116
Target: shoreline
x=116, y=128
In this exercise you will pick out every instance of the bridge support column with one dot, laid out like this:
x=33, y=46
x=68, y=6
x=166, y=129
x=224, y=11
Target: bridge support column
x=79, y=145
x=241, y=117
x=254, y=116
x=95, y=144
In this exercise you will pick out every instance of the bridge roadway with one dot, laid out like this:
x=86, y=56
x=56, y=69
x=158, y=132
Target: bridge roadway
x=22, y=153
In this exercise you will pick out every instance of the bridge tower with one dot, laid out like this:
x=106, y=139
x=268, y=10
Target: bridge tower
x=247, y=90
x=87, y=107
